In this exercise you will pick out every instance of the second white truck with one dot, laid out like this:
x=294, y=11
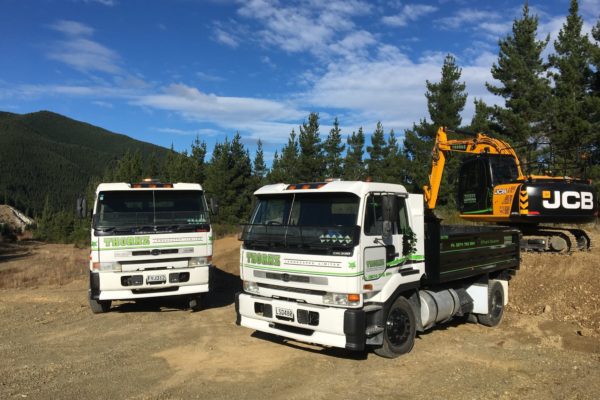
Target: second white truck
x=357, y=265
x=149, y=239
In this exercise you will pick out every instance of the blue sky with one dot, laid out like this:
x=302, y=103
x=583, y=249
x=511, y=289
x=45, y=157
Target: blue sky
x=165, y=71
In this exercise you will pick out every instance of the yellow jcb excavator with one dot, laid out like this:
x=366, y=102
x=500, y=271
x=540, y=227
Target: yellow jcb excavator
x=493, y=188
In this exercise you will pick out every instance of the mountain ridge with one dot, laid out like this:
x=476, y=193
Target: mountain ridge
x=45, y=154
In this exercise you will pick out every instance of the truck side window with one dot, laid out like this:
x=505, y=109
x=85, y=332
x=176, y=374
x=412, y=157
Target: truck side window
x=374, y=215
x=402, y=223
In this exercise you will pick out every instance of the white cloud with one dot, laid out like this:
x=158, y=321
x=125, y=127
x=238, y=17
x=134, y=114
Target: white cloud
x=267, y=61
x=209, y=77
x=392, y=89
x=244, y=113
x=313, y=27
x=409, y=13
x=468, y=16
x=103, y=104
x=85, y=55
x=590, y=8
x=80, y=52
x=72, y=28
x=224, y=37
x=109, y=3
x=189, y=132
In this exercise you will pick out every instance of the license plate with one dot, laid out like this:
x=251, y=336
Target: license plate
x=156, y=278
x=284, y=313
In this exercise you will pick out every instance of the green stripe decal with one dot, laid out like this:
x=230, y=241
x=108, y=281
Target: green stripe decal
x=487, y=210
x=398, y=261
x=299, y=271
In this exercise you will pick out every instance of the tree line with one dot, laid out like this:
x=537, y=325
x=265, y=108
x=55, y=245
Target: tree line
x=548, y=104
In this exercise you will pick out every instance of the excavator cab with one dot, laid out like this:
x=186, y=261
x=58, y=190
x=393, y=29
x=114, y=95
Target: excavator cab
x=477, y=178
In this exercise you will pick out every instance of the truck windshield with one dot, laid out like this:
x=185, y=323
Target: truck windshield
x=145, y=210
x=322, y=223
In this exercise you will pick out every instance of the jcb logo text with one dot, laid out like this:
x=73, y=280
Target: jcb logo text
x=570, y=200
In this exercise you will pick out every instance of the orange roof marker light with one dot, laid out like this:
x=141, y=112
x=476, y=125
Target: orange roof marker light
x=306, y=186
x=149, y=183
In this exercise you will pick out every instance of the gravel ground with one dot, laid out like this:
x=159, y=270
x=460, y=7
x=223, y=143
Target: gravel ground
x=52, y=346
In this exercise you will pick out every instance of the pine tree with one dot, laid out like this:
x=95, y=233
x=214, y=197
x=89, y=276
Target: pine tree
x=241, y=183
x=198, y=154
x=229, y=180
x=259, y=171
x=571, y=125
x=354, y=166
x=170, y=165
x=445, y=101
x=128, y=169
x=310, y=159
x=594, y=173
x=520, y=71
x=152, y=169
x=394, y=164
x=333, y=149
x=376, y=153
x=481, y=121
x=596, y=59
x=284, y=168
x=44, y=222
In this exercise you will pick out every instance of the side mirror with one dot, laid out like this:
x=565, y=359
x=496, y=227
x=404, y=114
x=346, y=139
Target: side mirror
x=81, y=207
x=214, y=206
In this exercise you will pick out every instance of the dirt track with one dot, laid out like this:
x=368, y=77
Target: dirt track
x=51, y=346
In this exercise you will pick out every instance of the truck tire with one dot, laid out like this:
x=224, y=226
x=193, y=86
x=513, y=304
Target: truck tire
x=495, y=306
x=100, y=306
x=195, y=303
x=399, y=331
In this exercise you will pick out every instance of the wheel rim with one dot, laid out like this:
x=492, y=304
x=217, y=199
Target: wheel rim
x=398, y=327
x=496, y=306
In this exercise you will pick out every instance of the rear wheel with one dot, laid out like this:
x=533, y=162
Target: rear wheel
x=400, y=330
x=495, y=306
x=100, y=306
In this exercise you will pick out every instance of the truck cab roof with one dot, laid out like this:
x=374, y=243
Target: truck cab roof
x=358, y=188
x=123, y=186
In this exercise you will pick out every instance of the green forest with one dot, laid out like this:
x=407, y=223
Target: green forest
x=551, y=115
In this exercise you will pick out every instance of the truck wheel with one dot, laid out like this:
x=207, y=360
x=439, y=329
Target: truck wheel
x=100, y=306
x=495, y=306
x=400, y=329
x=195, y=303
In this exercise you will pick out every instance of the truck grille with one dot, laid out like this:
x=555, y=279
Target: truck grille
x=292, y=289
x=154, y=252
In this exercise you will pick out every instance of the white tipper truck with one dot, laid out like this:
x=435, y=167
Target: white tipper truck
x=149, y=239
x=358, y=265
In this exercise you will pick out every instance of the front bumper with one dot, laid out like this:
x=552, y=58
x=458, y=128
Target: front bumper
x=336, y=327
x=110, y=285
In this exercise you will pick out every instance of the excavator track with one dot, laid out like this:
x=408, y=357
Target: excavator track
x=554, y=240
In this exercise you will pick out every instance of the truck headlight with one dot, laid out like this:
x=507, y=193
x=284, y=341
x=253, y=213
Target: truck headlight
x=250, y=287
x=341, y=299
x=107, y=266
x=199, y=261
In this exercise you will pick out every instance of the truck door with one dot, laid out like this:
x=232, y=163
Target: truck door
x=380, y=250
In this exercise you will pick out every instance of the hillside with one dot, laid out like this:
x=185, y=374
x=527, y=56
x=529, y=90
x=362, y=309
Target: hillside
x=44, y=153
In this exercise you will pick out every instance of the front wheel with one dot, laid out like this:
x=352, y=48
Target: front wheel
x=495, y=306
x=100, y=306
x=400, y=330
